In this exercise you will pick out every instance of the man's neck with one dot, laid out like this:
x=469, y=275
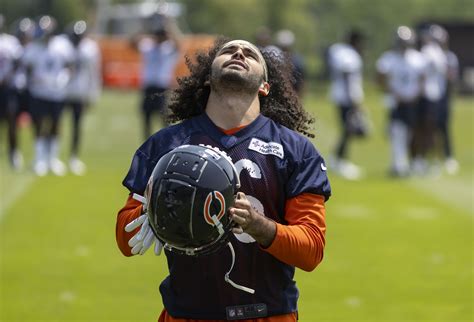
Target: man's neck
x=230, y=110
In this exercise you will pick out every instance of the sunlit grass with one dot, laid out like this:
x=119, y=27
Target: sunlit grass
x=397, y=250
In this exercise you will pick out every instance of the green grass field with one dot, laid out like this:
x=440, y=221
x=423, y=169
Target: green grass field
x=397, y=250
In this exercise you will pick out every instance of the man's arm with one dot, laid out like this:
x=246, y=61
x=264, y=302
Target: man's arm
x=300, y=243
x=174, y=33
x=131, y=211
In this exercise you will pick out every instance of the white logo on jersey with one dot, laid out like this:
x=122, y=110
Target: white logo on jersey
x=323, y=167
x=254, y=172
x=251, y=167
x=266, y=148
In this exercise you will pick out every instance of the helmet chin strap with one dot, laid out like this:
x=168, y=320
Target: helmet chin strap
x=218, y=225
x=227, y=278
x=220, y=228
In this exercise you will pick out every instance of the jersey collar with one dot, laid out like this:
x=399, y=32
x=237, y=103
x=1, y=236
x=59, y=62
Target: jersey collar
x=204, y=122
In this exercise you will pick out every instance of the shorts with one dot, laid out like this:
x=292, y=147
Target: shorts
x=405, y=113
x=3, y=102
x=290, y=317
x=426, y=113
x=44, y=108
x=354, y=121
x=443, y=111
x=154, y=100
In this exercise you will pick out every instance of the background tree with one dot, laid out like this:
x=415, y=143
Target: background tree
x=316, y=23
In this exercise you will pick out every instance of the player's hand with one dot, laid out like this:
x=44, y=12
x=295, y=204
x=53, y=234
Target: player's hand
x=250, y=221
x=142, y=240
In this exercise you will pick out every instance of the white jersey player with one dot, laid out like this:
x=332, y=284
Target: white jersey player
x=433, y=92
x=401, y=72
x=345, y=63
x=85, y=85
x=160, y=53
x=48, y=60
x=443, y=116
x=10, y=52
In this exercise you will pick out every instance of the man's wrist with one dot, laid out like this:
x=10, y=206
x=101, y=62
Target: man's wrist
x=267, y=232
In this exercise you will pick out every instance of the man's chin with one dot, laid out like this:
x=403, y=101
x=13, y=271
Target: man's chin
x=236, y=79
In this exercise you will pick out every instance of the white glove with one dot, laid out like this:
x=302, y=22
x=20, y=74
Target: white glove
x=142, y=240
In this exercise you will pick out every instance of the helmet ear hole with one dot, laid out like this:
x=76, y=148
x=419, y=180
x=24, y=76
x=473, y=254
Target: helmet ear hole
x=190, y=190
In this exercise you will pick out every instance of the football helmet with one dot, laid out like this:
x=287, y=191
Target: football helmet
x=46, y=26
x=438, y=34
x=24, y=29
x=405, y=37
x=76, y=31
x=188, y=194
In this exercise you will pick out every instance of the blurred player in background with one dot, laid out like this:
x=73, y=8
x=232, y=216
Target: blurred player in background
x=400, y=71
x=10, y=52
x=160, y=53
x=48, y=62
x=433, y=91
x=242, y=103
x=443, y=115
x=285, y=40
x=84, y=87
x=19, y=103
x=345, y=63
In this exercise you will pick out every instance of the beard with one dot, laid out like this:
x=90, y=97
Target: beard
x=235, y=80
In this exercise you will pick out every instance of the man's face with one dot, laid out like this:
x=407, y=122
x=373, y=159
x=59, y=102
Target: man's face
x=239, y=65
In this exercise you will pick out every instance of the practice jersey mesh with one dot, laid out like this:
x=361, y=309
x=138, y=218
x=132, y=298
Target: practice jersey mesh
x=275, y=164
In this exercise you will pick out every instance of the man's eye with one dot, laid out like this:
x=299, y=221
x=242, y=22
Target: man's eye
x=223, y=52
x=229, y=50
x=252, y=55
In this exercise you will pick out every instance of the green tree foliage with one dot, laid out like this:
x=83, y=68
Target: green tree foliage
x=319, y=23
x=316, y=23
x=64, y=11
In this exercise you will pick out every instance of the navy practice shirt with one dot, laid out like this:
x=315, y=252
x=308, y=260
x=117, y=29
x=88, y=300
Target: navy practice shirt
x=275, y=164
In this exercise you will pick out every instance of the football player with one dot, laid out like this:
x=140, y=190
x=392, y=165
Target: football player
x=285, y=40
x=160, y=53
x=443, y=116
x=345, y=65
x=433, y=91
x=400, y=71
x=19, y=104
x=48, y=61
x=243, y=103
x=84, y=87
x=10, y=52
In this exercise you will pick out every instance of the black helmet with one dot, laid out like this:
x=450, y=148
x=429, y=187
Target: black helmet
x=24, y=28
x=438, y=34
x=76, y=31
x=188, y=193
x=157, y=25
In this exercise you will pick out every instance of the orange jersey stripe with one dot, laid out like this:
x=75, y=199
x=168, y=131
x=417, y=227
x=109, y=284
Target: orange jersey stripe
x=131, y=211
x=232, y=130
x=303, y=235
x=291, y=317
x=301, y=242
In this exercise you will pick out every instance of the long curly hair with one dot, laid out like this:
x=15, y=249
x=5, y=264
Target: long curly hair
x=282, y=104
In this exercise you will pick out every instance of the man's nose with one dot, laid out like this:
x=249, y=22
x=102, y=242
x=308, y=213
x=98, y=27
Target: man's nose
x=238, y=54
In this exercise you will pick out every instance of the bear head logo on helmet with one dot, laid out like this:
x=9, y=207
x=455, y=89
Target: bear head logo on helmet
x=188, y=194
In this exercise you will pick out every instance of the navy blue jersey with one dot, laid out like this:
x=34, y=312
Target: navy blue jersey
x=274, y=165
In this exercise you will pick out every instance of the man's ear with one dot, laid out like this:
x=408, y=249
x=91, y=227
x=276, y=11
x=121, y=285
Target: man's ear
x=264, y=89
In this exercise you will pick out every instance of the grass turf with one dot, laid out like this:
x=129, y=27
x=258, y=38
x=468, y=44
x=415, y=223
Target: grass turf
x=397, y=250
